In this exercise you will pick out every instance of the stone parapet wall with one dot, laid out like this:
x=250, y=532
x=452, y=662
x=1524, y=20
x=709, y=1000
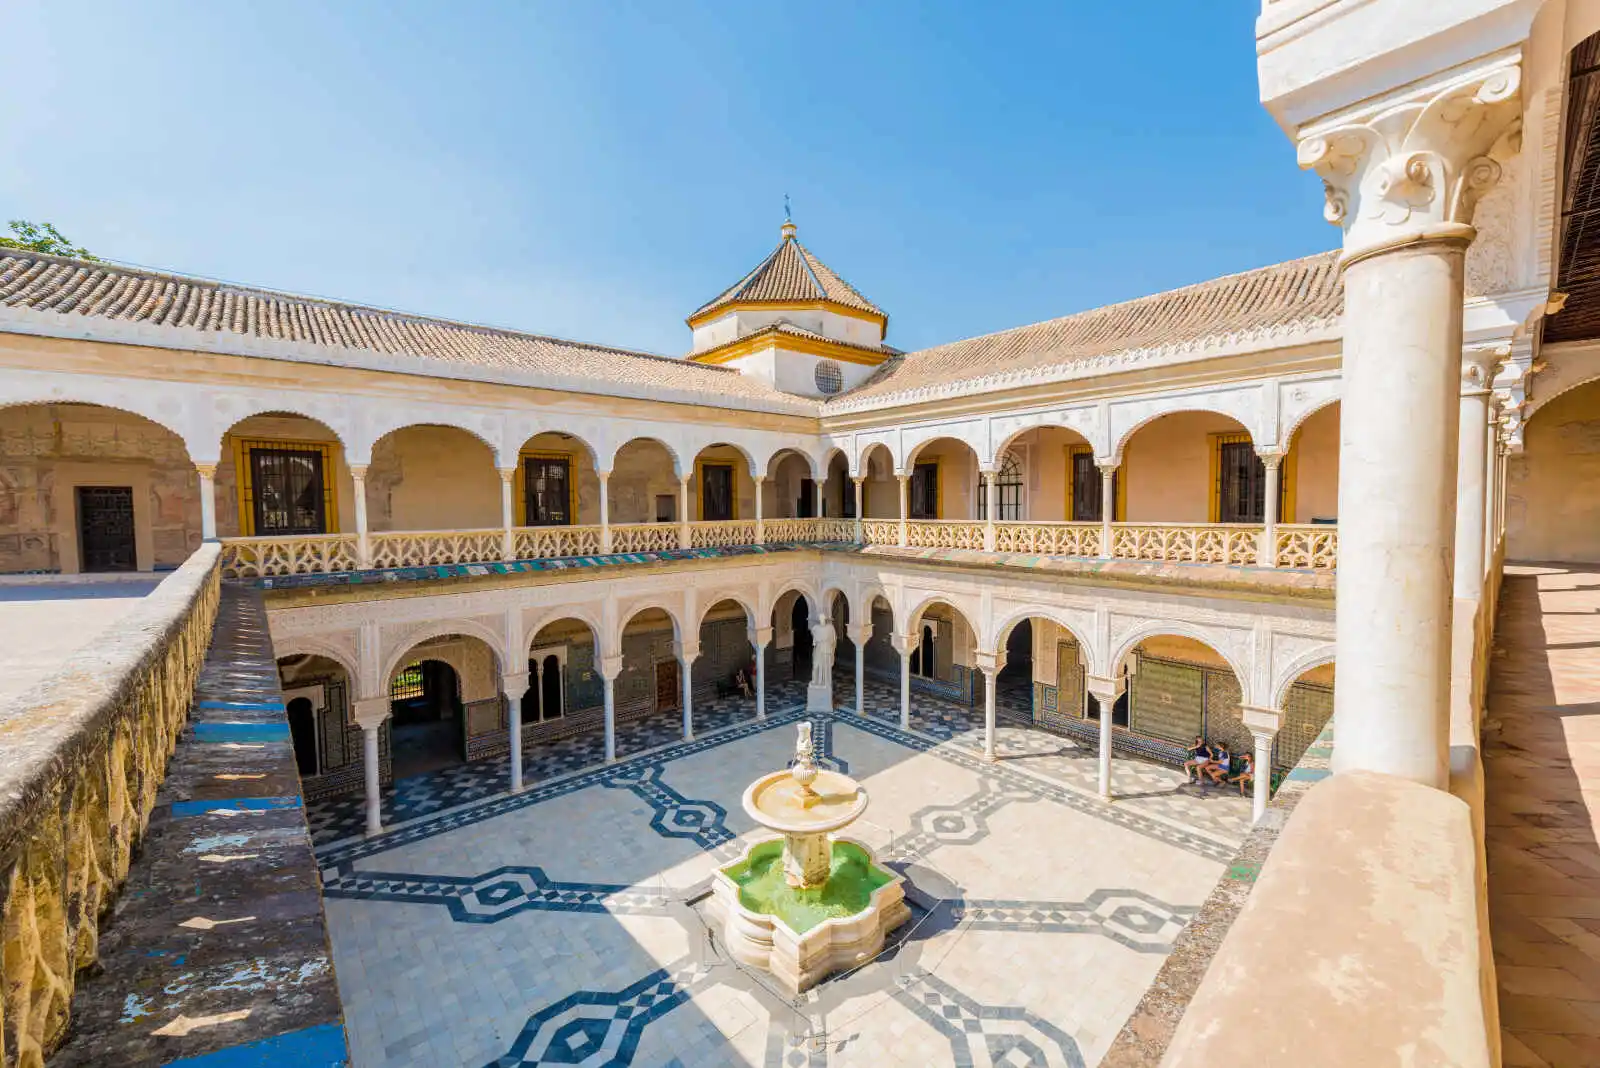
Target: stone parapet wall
x=86, y=750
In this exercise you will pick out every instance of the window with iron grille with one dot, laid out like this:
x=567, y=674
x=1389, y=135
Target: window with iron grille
x=925, y=491
x=1086, y=487
x=547, y=491
x=287, y=489
x=407, y=684
x=1008, y=491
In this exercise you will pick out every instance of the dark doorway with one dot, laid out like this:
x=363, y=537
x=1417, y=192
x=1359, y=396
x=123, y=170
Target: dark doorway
x=1087, y=488
x=547, y=491
x=288, y=492
x=1241, y=484
x=303, y=731
x=666, y=685
x=105, y=528
x=800, y=623
x=716, y=492
x=1014, y=688
x=428, y=730
x=550, y=703
x=922, y=657
x=925, y=491
x=806, y=506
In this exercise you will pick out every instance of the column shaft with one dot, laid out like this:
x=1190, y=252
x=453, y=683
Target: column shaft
x=1471, y=495
x=861, y=677
x=761, y=681
x=1108, y=507
x=860, y=483
x=358, y=475
x=514, y=737
x=991, y=499
x=1267, y=552
x=990, y=680
x=508, y=537
x=761, y=523
x=905, y=689
x=1107, y=709
x=208, y=501
x=686, y=668
x=605, y=512
x=1262, y=786
x=905, y=508
x=685, y=536
x=1397, y=459
x=611, y=718
x=369, y=756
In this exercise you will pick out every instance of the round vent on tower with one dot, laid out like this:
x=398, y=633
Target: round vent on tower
x=830, y=379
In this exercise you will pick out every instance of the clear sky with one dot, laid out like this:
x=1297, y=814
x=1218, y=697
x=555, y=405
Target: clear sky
x=599, y=169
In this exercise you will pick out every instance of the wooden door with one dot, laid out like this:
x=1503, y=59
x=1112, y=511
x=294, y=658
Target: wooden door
x=105, y=528
x=666, y=684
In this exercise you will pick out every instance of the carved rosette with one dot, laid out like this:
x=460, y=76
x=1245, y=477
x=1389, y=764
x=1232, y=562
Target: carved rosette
x=1414, y=169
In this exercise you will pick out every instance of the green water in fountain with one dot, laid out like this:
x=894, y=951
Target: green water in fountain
x=852, y=877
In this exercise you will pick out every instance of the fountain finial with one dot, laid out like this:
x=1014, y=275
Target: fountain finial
x=804, y=771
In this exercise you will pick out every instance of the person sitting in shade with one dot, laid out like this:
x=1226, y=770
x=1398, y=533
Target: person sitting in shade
x=1199, y=757
x=1221, y=764
x=743, y=682
x=1247, y=774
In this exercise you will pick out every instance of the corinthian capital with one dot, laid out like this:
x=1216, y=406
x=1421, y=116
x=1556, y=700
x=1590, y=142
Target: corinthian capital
x=1413, y=167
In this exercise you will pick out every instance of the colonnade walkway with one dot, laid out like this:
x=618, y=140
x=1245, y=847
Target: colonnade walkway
x=1542, y=766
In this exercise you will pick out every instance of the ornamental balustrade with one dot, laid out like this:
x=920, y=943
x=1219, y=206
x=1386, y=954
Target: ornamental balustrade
x=715, y=534
x=644, y=537
x=944, y=534
x=247, y=558
x=426, y=548
x=86, y=750
x=1198, y=543
x=540, y=543
x=1053, y=539
x=1307, y=547
x=1312, y=547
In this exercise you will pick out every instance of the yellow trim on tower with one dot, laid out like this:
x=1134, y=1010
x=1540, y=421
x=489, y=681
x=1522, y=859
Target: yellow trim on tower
x=245, y=490
x=763, y=340
x=520, y=490
x=701, y=318
x=700, y=484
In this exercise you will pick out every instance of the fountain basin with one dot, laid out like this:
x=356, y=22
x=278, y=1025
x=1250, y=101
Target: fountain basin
x=800, y=935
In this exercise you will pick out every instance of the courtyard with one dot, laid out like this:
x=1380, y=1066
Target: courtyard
x=567, y=924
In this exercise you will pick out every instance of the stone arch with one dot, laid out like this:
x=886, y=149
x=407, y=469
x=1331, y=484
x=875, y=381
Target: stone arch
x=407, y=422
x=1320, y=656
x=1179, y=629
x=751, y=468
x=917, y=449
x=672, y=452
x=863, y=458
x=968, y=615
x=796, y=585
x=644, y=604
x=1119, y=448
x=1049, y=422
x=442, y=628
x=590, y=450
x=996, y=640
x=716, y=597
x=556, y=615
x=312, y=646
x=127, y=403
x=776, y=456
x=1292, y=427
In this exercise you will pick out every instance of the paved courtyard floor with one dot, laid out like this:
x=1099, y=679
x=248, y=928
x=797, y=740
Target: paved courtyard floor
x=567, y=924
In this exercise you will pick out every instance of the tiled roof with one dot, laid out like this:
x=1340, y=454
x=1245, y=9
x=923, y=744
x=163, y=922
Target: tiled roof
x=791, y=272
x=1297, y=295
x=134, y=296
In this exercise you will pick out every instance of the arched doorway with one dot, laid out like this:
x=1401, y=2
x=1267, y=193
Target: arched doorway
x=804, y=643
x=428, y=728
x=552, y=688
x=944, y=480
x=303, y=733
x=1014, y=687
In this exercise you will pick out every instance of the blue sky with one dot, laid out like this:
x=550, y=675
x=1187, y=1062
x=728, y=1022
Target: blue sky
x=599, y=169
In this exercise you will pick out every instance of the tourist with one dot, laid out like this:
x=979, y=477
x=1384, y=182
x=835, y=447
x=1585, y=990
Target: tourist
x=1199, y=757
x=743, y=682
x=1247, y=774
x=1221, y=764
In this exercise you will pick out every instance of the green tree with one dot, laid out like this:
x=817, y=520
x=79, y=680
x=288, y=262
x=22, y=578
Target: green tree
x=42, y=237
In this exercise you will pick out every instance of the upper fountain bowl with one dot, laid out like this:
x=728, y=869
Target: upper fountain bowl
x=778, y=802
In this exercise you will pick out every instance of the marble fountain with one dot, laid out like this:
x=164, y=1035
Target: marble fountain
x=807, y=903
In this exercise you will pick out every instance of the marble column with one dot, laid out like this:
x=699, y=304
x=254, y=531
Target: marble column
x=860, y=635
x=861, y=515
x=605, y=511
x=1263, y=724
x=370, y=712
x=991, y=498
x=610, y=668
x=761, y=523
x=905, y=508
x=990, y=664
x=1402, y=184
x=1267, y=551
x=1108, y=506
x=1105, y=692
x=208, y=501
x=358, y=475
x=1477, y=371
x=685, y=535
x=686, y=657
x=905, y=645
x=821, y=487
x=508, y=535
x=514, y=685
x=759, y=640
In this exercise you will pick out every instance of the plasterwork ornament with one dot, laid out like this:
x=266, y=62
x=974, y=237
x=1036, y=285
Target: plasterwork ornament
x=1415, y=169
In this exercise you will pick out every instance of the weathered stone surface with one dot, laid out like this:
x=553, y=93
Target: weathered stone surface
x=217, y=941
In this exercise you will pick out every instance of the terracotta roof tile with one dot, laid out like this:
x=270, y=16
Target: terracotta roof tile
x=1300, y=293
x=135, y=295
x=790, y=272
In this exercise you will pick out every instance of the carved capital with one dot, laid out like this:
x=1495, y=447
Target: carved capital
x=1478, y=368
x=1413, y=168
x=206, y=470
x=1103, y=689
x=370, y=712
x=358, y=472
x=514, y=683
x=1270, y=455
x=760, y=636
x=989, y=663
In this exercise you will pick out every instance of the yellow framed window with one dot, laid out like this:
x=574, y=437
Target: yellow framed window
x=286, y=488
x=1239, y=481
x=1083, y=488
x=548, y=490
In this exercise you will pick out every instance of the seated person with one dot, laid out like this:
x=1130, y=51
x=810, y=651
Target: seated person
x=1221, y=764
x=1199, y=757
x=1247, y=774
x=743, y=682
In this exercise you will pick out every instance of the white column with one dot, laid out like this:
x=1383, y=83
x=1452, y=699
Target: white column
x=1496, y=488
x=1263, y=724
x=358, y=475
x=605, y=511
x=860, y=484
x=761, y=523
x=685, y=536
x=508, y=538
x=514, y=685
x=686, y=658
x=905, y=508
x=904, y=644
x=1477, y=370
x=610, y=668
x=860, y=634
x=991, y=498
x=762, y=636
x=370, y=712
x=1267, y=551
x=990, y=664
x=208, y=501
x=1403, y=184
x=1105, y=692
x=1108, y=506
x=821, y=487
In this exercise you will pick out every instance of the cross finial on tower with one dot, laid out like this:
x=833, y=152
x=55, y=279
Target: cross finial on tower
x=788, y=220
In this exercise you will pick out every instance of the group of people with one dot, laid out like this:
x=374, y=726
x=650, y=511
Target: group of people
x=1213, y=764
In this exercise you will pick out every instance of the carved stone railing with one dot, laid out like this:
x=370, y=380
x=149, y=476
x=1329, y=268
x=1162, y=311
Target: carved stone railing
x=424, y=548
x=85, y=751
x=644, y=537
x=718, y=533
x=1056, y=539
x=246, y=558
x=789, y=529
x=944, y=534
x=834, y=529
x=881, y=531
x=1312, y=547
x=539, y=543
x=1198, y=543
